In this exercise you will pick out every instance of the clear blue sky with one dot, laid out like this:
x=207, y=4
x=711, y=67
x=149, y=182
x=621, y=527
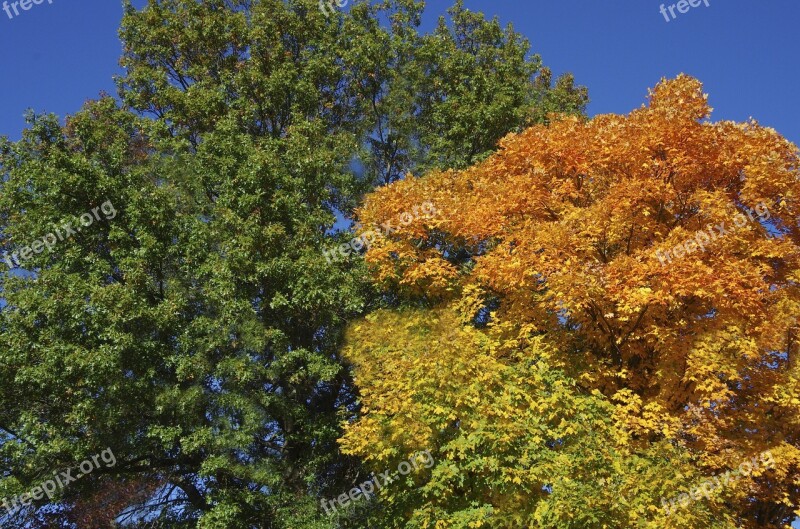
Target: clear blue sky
x=56, y=56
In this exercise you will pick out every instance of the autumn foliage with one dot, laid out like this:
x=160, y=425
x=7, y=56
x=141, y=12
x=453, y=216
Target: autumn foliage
x=557, y=335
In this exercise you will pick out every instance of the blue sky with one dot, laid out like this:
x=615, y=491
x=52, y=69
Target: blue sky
x=57, y=55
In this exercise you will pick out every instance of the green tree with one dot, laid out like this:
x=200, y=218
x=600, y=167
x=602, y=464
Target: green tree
x=443, y=100
x=196, y=333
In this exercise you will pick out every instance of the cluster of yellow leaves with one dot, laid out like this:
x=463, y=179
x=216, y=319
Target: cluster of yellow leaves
x=516, y=443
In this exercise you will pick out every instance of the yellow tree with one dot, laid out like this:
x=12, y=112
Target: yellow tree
x=515, y=442
x=655, y=257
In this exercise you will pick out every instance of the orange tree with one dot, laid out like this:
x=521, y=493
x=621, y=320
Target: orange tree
x=647, y=264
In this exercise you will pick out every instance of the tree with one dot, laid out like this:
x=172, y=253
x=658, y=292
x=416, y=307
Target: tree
x=196, y=332
x=656, y=255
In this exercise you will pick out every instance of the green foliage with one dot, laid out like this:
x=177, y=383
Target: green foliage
x=195, y=333
x=445, y=99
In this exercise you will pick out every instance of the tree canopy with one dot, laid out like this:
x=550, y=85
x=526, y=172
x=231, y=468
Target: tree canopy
x=651, y=259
